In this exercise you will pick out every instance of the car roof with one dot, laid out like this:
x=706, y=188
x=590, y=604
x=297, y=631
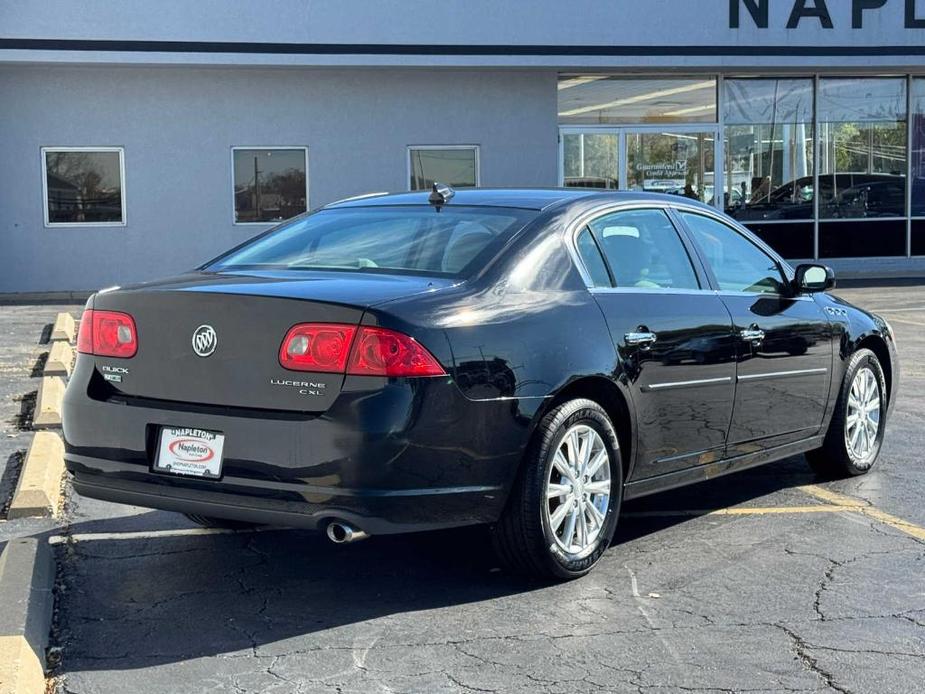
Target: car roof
x=524, y=198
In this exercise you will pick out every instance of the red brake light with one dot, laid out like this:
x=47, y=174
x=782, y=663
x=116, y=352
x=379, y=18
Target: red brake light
x=381, y=352
x=317, y=347
x=107, y=334
x=325, y=347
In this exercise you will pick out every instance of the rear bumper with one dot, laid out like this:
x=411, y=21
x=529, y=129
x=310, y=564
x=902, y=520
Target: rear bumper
x=387, y=457
x=417, y=511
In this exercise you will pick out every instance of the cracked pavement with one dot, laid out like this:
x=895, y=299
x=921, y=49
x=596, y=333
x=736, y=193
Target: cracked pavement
x=683, y=602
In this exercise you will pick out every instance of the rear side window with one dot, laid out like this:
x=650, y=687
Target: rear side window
x=644, y=250
x=403, y=239
x=593, y=260
x=737, y=263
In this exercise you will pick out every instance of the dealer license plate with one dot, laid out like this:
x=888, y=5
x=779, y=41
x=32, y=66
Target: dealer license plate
x=192, y=452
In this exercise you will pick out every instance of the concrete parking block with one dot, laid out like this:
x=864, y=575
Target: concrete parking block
x=39, y=490
x=48, y=404
x=26, y=583
x=60, y=359
x=65, y=328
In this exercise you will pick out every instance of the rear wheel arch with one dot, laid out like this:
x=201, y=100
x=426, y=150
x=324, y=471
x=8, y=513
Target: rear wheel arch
x=608, y=395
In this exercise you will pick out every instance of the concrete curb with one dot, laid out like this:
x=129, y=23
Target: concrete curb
x=38, y=492
x=60, y=359
x=27, y=577
x=64, y=328
x=48, y=404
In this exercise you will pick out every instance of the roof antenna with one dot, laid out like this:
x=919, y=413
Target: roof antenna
x=441, y=195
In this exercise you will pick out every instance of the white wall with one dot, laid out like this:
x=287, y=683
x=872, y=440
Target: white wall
x=178, y=126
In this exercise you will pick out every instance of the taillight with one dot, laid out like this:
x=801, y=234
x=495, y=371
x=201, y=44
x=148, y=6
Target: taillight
x=325, y=347
x=381, y=352
x=107, y=334
x=317, y=347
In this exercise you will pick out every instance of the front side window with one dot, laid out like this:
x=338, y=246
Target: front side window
x=455, y=166
x=270, y=184
x=643, y=250
x=414, y=240
x=738, y=264
x=84, y=186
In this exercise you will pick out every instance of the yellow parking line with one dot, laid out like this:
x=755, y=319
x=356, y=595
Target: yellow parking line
x=743, y=511
x=847, y=503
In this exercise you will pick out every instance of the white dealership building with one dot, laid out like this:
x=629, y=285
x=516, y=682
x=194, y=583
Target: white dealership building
x=139, y=139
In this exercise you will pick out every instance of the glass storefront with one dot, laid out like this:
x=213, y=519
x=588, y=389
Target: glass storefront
x=827, y=167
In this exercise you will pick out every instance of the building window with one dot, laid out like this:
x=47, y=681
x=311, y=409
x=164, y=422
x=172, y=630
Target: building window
x=599, y=99
x=862, y=130
x=590, y=160
x=862, y=166
x=270, y=183
x=918, y=166
x=769, y=160
x=455, y=165
x=84, y=186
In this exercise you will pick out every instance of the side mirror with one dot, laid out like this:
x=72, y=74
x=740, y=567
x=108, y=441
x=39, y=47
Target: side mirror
x=813, y=278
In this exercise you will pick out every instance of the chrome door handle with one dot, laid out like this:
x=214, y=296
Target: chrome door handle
x=643, y=339
x=753, y=334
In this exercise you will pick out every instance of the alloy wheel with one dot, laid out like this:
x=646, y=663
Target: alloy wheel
x=578, y=490
x=863, y=417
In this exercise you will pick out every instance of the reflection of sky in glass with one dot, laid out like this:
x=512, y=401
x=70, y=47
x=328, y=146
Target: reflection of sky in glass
x=862, y=100
x=269, y=162
x=71, y=165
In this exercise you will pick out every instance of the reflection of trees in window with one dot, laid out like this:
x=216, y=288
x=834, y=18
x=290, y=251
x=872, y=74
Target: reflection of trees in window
x=83, y=187
x=269, y=185
x=590, y=160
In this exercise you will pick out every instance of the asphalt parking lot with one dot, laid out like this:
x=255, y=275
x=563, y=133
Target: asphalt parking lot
x=768, y=580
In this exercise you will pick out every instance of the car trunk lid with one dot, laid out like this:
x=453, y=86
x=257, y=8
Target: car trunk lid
x=250, y=314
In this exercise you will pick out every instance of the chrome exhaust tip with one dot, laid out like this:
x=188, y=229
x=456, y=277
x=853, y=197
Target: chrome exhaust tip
x=341, y=533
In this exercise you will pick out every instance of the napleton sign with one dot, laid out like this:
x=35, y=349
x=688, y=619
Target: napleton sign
x=759, y=11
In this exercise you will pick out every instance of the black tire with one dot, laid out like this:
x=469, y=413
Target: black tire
x=522, y=537
x=835, y=459
x=213, y=522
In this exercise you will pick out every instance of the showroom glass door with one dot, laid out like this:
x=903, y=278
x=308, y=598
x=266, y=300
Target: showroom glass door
x=678, y=160
x=589, y=158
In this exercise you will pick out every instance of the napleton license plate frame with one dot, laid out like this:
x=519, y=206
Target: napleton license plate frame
x=189, y=452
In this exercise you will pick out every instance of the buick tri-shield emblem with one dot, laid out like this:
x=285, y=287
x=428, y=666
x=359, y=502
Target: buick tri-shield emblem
x=204, y=340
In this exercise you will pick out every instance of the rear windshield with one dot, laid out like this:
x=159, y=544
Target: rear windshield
x=415, y=240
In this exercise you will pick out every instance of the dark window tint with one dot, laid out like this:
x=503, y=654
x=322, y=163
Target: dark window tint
x=918, y=237
x=737, y=263
x=83, y=187
x=591, y=256
x=269, y=184
x=861, y=239
x=383, y=239
x=790, y=239
x=455, y=166
x=644, y=250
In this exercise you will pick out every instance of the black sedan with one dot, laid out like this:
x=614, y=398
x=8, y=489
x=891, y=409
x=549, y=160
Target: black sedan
x=525, y=359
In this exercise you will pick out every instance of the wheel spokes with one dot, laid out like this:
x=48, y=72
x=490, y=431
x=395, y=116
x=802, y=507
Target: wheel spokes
x=578, y=489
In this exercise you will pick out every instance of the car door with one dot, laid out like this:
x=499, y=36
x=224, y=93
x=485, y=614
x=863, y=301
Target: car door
x=672, y=333
x=784, y=340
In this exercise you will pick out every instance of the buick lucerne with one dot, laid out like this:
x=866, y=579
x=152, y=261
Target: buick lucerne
x=522, y=359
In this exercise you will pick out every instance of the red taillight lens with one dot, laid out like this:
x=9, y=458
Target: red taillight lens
x=381, y=352
x=107, y=334
x=317, y=347
x=325, y=347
